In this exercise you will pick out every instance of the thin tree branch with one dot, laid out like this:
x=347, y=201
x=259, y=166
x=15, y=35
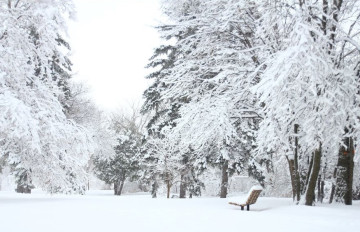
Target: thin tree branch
x=17, y=3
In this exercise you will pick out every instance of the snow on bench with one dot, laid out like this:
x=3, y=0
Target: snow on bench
x=248, y=200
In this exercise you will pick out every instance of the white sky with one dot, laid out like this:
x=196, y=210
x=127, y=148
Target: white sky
x=112, y=41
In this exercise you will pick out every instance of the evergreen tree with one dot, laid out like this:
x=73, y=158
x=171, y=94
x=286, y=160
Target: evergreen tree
x=163, y=113
x=124, y=164
x=214, y=73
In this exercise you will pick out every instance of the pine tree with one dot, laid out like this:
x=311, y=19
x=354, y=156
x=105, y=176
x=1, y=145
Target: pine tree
x=162, y=113
x=220, y=108
x=124, y=164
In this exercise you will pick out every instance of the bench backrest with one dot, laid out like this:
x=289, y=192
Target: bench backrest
x=253, y=197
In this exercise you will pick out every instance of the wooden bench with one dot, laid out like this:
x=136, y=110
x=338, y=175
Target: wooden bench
x=251, y=198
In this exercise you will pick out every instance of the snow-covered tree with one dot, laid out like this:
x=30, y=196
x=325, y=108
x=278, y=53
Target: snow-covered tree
x=81, y=109
x=163, y=112
x=309, y=89
x=36, y=137
x=124, y=164
x=214, y=71
x=259, y=83
x=163, y=164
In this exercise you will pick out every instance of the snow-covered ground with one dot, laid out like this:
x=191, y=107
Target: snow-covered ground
x=100, y=211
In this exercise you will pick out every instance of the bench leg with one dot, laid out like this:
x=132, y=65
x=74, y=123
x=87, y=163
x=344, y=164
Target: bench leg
x=242, y=207
x=247, y=207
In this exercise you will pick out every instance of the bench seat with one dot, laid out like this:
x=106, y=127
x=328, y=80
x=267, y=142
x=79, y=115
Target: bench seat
x=250, y=199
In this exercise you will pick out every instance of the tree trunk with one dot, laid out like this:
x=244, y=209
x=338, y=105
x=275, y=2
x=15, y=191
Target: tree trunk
x=345, y=171
x=297, y=184
x=224, y=180
x=296, y=165
x=154, y=188
x=121, y=186
x=332, y=193
x=310, y=190
x=292, y=176
x=182, y=187
x=349, y=173
x=118, y=186
x=320, y=186
x=168, y=186
x=322, y=190
x=309, y=171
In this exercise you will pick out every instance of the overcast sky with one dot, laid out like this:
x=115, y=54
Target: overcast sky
x=112, y=41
